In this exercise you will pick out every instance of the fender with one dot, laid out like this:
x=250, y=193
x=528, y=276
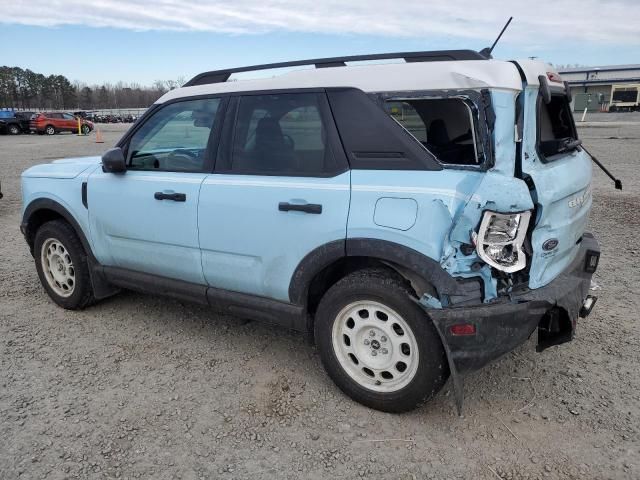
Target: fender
x=405, y=257
x=312, y=264
x=101, y=288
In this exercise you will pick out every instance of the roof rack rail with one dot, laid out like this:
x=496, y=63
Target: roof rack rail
x=220, y=76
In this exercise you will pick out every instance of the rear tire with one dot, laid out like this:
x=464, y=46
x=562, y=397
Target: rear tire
x=377, y=344
x=14, y=129
x=62, y=265
x=50, y=130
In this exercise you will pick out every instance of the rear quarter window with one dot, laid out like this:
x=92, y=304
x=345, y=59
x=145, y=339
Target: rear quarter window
x=444, y=126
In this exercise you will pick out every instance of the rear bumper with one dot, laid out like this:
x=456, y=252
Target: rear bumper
x=502, y=326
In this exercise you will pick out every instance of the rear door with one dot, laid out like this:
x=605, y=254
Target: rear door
x=69, y=122
x=280, y=190
x=146, y=219
x=560, y=172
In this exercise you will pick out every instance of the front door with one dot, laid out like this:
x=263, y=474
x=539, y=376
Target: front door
x=281, y=189
x=146, y=218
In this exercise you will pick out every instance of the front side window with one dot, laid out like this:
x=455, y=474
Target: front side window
x=281, y=135
x=444, y=126
x=174, y=138
x=556, y=130
x=68, y=116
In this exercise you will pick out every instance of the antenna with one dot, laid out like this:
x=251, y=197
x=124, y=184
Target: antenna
x=487, y=51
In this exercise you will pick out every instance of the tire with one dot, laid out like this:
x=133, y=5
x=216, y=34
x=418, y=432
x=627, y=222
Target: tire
x=85, y=129
x=14, y=129
x=350, y=322
x=50, y=130
x=62, y=265
x=613, y=108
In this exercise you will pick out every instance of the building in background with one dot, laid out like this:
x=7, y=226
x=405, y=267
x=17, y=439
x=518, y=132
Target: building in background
x=592, y=87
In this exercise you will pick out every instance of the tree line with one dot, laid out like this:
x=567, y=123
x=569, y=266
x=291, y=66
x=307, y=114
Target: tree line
x=27, y=90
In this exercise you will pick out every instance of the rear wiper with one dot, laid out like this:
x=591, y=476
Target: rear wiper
x=616, y=182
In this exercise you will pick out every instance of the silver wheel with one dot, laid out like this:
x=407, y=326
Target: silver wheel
x=375, y=346
x=57, y=267
x=50, y=130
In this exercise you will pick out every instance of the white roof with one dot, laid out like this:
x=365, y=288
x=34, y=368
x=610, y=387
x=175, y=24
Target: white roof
x=450, y=75
x=533, y=68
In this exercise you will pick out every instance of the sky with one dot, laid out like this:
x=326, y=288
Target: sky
x=146, y=40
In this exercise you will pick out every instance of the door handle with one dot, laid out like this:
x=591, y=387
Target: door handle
x=176, y=197
x=305, y=207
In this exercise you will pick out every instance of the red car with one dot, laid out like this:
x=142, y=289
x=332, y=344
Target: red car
x=54, y=122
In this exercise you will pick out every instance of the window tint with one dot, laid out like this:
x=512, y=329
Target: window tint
x=54, y=115
x=556, y=130
x=444, y=126
x=281, y=135
x=174, y=138
x=68, y=116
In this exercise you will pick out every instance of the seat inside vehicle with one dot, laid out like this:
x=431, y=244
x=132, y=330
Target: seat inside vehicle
x=444, y=126
x=281, y=134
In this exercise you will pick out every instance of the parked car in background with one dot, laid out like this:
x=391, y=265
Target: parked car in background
x=625, y=98
x=55, y=122
x=16, y=122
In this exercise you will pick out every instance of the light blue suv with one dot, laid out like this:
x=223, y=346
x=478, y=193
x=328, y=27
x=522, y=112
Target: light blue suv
x=419, y=219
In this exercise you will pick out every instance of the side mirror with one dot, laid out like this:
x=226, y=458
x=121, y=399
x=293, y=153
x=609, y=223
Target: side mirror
x=113, y=161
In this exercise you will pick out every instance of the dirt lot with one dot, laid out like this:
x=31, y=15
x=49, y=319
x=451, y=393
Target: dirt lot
x=145, y=387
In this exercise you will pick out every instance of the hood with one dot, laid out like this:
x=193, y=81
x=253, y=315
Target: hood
x=66, y=168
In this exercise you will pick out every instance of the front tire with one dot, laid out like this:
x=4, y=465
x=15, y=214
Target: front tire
x=14, y=129
x=377, y=345
x=85, y=129
x=62, y=265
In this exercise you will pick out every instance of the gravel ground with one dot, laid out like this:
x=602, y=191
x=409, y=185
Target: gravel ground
x=145, y=387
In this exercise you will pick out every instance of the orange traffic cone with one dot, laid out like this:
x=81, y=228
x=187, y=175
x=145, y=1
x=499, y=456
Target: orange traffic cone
x=99, y=138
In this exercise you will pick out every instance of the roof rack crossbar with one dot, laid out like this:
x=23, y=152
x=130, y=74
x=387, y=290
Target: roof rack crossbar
x=220, y=76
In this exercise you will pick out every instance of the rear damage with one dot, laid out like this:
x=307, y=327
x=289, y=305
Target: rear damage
x=519, y=248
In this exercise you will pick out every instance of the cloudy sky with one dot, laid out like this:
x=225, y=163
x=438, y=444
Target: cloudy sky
x=145, y=40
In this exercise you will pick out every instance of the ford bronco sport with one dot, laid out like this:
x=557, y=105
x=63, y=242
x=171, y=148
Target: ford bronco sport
x=419, y=219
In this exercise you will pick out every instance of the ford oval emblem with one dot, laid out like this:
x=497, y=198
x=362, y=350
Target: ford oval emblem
x=550, y=244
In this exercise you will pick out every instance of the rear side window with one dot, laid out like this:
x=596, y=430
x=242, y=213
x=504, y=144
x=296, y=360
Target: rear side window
x=556, y=130
x=281, y=135
x=444, y=126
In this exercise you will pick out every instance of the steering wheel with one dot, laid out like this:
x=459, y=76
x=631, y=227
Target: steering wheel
x=288, y=141
x=184, y=152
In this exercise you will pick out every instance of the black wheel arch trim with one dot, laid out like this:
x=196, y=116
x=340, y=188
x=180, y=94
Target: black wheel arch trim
x=407, y=258
x=101, y=287
x=49, y=204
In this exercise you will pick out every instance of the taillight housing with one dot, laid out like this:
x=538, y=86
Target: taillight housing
x=500, y=238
